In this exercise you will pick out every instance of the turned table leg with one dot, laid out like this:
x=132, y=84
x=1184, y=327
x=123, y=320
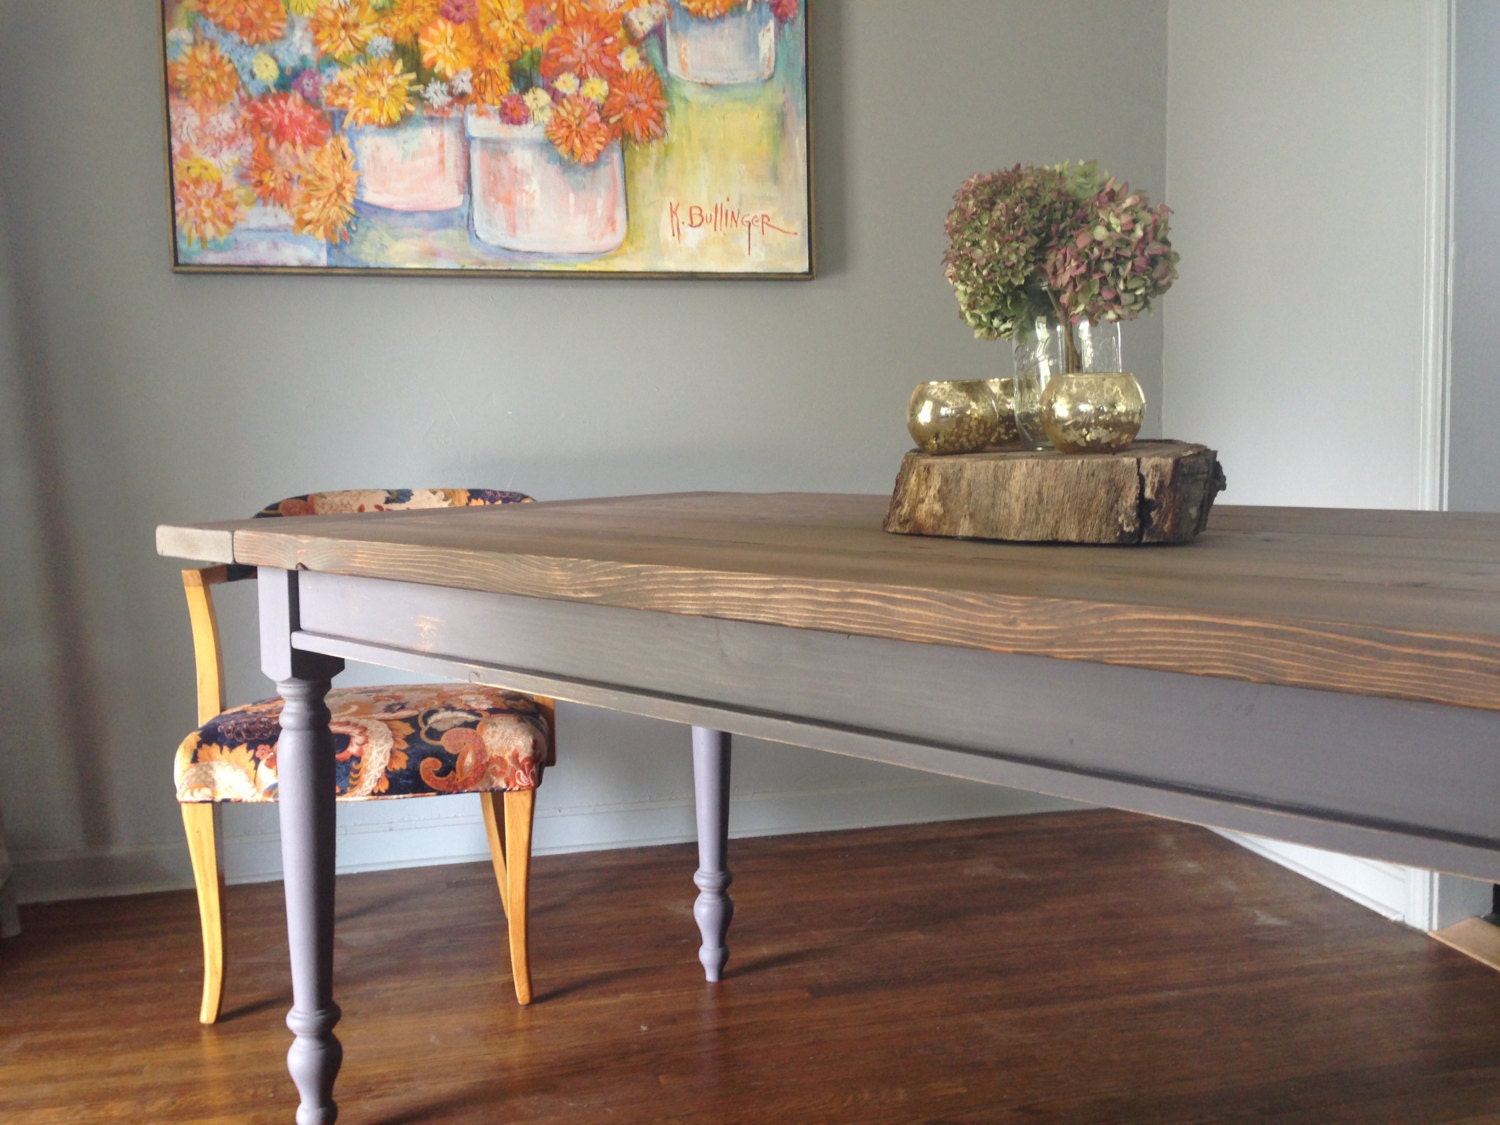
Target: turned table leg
x=305, y=768
x=714, y=908
x=305, y=763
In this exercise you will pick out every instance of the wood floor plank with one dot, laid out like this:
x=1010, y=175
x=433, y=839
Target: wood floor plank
x=1072, y=967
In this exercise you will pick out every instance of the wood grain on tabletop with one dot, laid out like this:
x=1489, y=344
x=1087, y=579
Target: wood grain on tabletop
x=1398, y=604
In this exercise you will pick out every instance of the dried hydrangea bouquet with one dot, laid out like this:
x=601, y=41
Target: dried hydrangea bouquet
x=1055, y=257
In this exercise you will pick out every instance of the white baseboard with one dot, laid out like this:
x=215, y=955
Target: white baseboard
x=1424, y=900
x=1372, y=883
x=423, y=833
x=427, y=832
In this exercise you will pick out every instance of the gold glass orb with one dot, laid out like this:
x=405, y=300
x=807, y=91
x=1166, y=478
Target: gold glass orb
x=1007, y=436
x=1092, y=411
x=953, y=416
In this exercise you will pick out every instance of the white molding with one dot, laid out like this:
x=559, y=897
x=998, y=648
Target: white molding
x=1438, y=900
x=1437, y=265
x=453, y=832
x=1382, y=887
x=1430, y=896
x=1425, y=900
x=1419, y=898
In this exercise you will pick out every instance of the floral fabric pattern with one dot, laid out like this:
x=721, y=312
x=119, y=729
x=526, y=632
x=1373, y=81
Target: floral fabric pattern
x=349, y=501
x=399, y=741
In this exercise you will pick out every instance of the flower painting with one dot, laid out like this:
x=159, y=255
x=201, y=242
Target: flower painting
x=609, y=137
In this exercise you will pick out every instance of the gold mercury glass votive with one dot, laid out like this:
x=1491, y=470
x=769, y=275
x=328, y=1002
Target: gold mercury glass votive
x=1092, y=411
x=1007, y=435
x=953, y=416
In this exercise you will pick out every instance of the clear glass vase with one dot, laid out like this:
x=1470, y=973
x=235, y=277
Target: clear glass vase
x=1046, y=348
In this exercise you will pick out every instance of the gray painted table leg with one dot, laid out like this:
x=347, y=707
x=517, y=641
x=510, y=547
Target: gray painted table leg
x=714, y=908
x=305, y=769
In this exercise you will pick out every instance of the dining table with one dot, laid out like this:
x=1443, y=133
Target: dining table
x=1329, y=677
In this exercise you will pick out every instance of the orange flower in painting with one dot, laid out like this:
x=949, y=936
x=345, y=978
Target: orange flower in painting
x=205, y=76
x=637, y=105
x=343, y=28
x=207, y=208
x=710, y=9
x=567, y=11
x=288, y=119
x=273, y=174
x=577, y=130
x=502, y=26
x=491, y=79
x=325, y=201
x=375, y=92
x=404, y=20
x=589, y=47
x=254, y=21
x=448, y=47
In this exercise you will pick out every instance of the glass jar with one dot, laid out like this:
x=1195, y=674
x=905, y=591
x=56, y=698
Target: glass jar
x=1043, y=350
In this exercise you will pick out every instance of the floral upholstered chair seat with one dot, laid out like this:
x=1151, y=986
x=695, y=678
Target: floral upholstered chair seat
x=408, y=741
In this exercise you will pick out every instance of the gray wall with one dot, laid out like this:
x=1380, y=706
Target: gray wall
x=1475, y=462
x=134, y=396
x=1296, y=161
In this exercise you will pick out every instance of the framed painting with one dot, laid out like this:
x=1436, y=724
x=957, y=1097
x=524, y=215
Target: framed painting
x=525, y=137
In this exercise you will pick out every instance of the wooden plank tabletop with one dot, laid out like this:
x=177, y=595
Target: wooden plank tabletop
x=1398, y=604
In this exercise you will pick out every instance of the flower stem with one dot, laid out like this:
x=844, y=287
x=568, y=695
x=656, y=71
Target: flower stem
x=1072, y=358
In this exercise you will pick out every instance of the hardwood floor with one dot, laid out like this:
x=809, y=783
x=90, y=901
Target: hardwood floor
x=1070, y=967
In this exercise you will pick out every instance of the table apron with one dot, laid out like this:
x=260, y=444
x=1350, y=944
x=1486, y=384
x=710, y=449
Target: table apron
x=1408, y=782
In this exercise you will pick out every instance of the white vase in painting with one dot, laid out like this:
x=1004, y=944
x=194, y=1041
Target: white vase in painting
x=264, y=236
x=527, y=197
x=415, y=165
x=727, y=50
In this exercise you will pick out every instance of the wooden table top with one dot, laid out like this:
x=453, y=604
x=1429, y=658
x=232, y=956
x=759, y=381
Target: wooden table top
x=1390, y=603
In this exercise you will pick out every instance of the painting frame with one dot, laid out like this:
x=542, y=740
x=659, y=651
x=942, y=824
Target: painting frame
x=489, y=138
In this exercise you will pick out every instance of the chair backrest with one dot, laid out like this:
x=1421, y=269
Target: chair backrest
x=198, y=582
x=352, y=500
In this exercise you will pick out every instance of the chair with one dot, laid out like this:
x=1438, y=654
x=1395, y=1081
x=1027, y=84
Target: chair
x=391, y=742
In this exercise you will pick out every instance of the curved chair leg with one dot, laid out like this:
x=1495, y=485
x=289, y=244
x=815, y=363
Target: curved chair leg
x=494, y=830
x=202, y=823
x=507, y=821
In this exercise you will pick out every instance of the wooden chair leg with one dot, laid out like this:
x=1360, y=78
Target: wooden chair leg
x=201, y=819
x=507, y=820
x=494, y=830
x=519, y=806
